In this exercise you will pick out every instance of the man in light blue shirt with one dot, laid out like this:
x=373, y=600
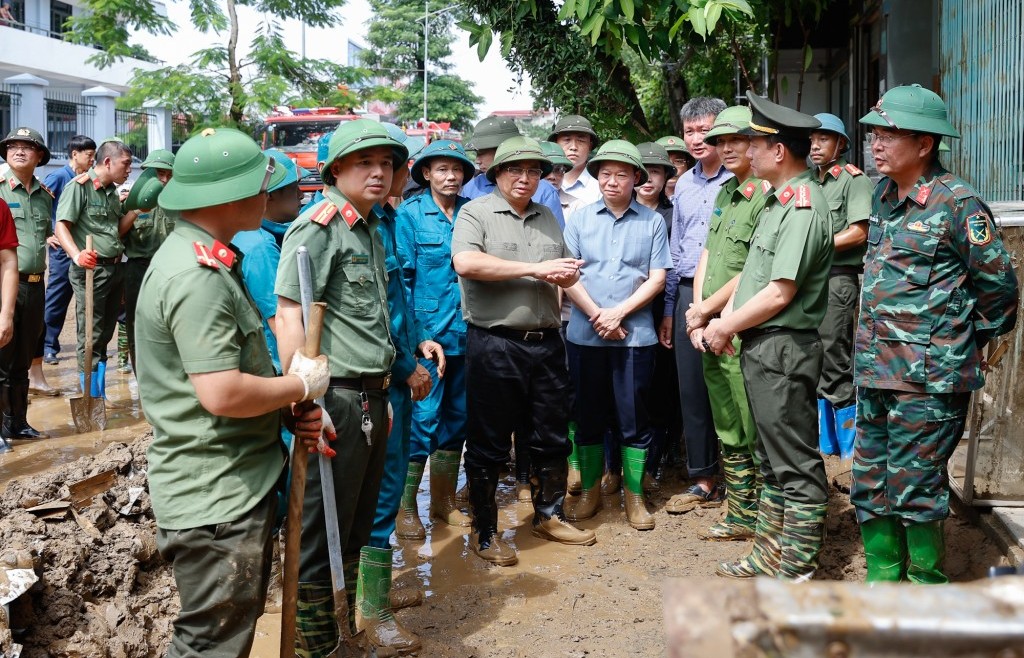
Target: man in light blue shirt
x=611, y=334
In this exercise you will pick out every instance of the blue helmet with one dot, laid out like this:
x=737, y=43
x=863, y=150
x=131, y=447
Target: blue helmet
x=833, y=124
x=292, y=172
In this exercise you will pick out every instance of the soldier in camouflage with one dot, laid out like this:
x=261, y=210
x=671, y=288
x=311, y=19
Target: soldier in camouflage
x=938, y=286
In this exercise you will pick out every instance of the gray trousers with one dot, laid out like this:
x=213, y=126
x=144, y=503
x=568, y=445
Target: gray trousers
x=836, y=381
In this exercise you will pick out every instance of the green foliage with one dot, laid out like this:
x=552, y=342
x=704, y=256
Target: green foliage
x=449, y=98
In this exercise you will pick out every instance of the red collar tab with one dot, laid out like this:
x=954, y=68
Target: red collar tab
x=223, y=253
x=803, y=197
x=324, y=214
x=204, y=257
x=13, y=181
x=923, y=192
x=836, y=170
x=766, y=187
x=349, y=214
x=786, y=195
x=96, y=184
x=749, y=189
x=852, y=169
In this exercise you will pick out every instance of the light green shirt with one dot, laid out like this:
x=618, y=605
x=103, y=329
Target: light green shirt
x=737, y=207
x=92, y=210
x=348, y=272
x=848, y=193
x=149, y=232
x=192, y=319
x=31, y=210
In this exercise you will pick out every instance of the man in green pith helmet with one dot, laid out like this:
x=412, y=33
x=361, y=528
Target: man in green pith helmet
x=216, y=463
x=576, y=136
x=938, y=287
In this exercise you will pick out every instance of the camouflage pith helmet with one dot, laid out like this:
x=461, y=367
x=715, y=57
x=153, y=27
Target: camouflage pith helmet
x=442, y=148
x=145, y=191
x=219, y=165
x=673, y=143
x=574, y=123
x=618, y=150
x=359, y=135
x=833, y=124
x=293, y=173
x=555, y=154
x=25, y=135
x=518, y=149
x=159, y=159
x=729, y=121
x=911, y=107
x=490, y=133
x=653, y=154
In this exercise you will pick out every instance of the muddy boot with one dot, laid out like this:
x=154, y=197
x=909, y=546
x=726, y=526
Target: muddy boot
x=548, y=495
x=484, y=540
x=523, y=494
x=591, y=462
x=19, y=427
x=408, y=524
x=4, y=446
x=885, y=550
x=926, y=549
x=764, y=556
x=444, y=471
x=5, y=409
x=803, y=533
x=573, y=482
x=611, y=482
x=634, y=460
x=462, y=495
x=740, y=476
x=405, y=597
x=373, y=607
x=316, y=628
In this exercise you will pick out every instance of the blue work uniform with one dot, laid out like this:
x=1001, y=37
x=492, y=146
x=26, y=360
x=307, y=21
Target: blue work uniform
x=317, y=198
x=58, y=286
x=262, y=253
x=425, y=255
x=546, y=194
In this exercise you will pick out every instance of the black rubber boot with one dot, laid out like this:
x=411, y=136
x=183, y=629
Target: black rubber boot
x=19, y=428
x=5, y=410
x=484, y=540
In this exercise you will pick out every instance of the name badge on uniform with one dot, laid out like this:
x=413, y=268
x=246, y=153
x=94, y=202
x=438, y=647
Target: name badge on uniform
x=14, y=204
x=360, y=259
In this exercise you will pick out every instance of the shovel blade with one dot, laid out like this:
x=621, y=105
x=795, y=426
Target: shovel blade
x=89, y=414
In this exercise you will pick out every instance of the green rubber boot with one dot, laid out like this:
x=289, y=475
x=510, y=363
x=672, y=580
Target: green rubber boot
x=444, y=474
x=740, y=520
x=926, y=548
x=316, y=628
x=373, y=608
x=591, y=461
x=803, y=533
x=573, y=484
x=634, y=461
x=765, y=554
x=884, y=549
x=408, y=524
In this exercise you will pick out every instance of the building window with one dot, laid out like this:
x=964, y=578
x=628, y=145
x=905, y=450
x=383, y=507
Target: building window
x=59, y=13
x=61, y=123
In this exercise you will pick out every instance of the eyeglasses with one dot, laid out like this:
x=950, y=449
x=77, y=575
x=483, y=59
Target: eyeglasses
x=517, y=172
x=885, y=140
x=267, y=176
x=559, y=169
x=15, y=148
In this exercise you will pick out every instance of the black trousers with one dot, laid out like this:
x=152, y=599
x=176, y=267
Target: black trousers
x=515, y=386
x=698, y=424
x=134, y=271
x=16, y=356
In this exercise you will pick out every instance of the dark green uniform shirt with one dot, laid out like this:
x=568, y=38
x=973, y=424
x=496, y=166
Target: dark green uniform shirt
x=793, y=240
x=938, y=285
x=92, y=209
x=194, y=316
x=31, y=209
x=149, y=232
x=733, y=220
x=348, y=271
x=848, y=192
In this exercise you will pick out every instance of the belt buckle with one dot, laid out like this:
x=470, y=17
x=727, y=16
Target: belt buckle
x=35, y=278
x=387, y=381
x=533, y=335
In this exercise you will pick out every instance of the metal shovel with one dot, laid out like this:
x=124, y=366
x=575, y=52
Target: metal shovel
x=89, y=413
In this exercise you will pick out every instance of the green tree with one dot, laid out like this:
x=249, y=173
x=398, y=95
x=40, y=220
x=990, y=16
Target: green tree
x=449, y=98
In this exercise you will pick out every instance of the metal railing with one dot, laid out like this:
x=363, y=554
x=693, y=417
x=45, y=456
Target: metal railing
x=10, y=102
x=34, y=29
x=182, y=127
x=66, y=116
x=132, y=128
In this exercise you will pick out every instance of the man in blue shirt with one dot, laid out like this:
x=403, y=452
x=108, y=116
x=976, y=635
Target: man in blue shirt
x=611, y=334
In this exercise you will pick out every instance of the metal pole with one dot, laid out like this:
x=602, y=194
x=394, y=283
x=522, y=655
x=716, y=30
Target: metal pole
x=426, y=56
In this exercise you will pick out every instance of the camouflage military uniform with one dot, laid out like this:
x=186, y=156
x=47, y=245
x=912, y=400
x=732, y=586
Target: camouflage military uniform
x=938, y=285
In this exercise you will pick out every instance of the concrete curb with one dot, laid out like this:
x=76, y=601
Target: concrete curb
x=1003, y=525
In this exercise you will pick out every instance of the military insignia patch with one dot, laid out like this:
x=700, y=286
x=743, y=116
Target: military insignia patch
x=324, y=215
x=853, y=170
x=922, y=194
x=786, y=194
x=803, y=197
x=917, y=227
x=979, y=229
x=350, y=214
x=835, y=171
x=453, y=147
x=749, y=189
x=223, y=254
x=24, y=132
x=204, y=257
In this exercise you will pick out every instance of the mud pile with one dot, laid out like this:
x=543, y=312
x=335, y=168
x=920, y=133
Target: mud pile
x=103, y=590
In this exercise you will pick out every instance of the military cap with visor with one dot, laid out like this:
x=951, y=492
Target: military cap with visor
x=618, y=150
x=293, y=173
x=219, y=165
x=25, y=135
x=360, y=135
x=913, y=108
x=159, y=159
x=491, y=132
x=673, y=144
x=518, y=149
x=442, y=148
x=556, y=154
x=770, y=119
x=145, y=191
x=830, y=123
x=574, y=123
x=730, y=121
x=653, y=154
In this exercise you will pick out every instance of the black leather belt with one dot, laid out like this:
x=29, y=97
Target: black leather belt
x=757, y=332
x=140, y=259
x=368, y=383
x=108, y=261
x=845, y=269
x=525, y=335
x=31, y=278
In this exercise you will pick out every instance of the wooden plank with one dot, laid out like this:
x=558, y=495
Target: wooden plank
x=82, y=492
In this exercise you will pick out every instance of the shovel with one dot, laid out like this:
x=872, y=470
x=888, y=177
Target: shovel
x=89, y=413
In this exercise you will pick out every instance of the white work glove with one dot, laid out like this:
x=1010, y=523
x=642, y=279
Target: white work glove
x=314, y=373
x=328, y=433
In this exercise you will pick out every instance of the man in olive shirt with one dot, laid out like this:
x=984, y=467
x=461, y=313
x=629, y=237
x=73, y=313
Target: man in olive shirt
x=210, y=392
x=511, y=259
x=90, y=205
x=30, y=203
x=776, y=309
x=848, y=192
x=348, y=272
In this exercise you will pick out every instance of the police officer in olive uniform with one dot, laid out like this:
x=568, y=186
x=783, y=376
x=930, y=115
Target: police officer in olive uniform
x=205, y=377
x=348, y=272
x=776, y=309
x=848, y=192
x=143, y=229
x=938, y=287
x=30, y=203
x=90, y=205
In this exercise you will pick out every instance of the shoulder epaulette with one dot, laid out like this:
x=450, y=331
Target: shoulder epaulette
x=803, y=197
x=324, y=213
x=215, y=256
x=749, y=189
x=82, y=178
x=766, y=187
x=958, y=188
x=204, y=257
x=835, y=171
x=46, y=189
x=852, y=170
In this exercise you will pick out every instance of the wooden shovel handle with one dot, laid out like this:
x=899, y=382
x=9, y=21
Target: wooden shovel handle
x=315, y=329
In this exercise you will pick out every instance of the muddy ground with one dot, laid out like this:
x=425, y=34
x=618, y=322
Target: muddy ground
x=104, y=591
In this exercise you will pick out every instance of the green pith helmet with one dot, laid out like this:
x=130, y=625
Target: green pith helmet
x=25, y=135
x=653, y=154
x=555, y=154
x=517, y=149
x=159, y=159
x=443, y=148
x=219, y=165
x=490, y=133
x=912, y=108
x=729, y=121
x=144, y=192
x=618, y=150
x=768, y=118
x=574, y=123
x=673, y=143
x=293, y=173
x=358, y=135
